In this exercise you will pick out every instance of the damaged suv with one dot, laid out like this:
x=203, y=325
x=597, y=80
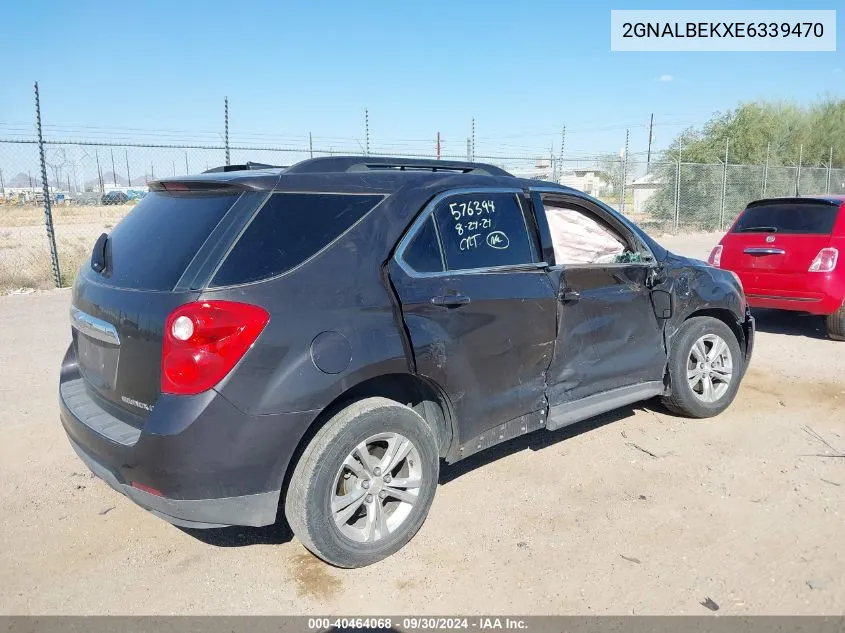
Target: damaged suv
x=318, y=338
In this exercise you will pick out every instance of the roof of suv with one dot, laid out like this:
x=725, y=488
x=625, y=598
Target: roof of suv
x=831, y=199
x=369, y=173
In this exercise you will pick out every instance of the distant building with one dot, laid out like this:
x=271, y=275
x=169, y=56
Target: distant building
x=590, y=181
x=644, y=188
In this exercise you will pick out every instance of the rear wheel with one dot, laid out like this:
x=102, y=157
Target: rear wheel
x=364, y=484
x=705, y=368
x=836, y=324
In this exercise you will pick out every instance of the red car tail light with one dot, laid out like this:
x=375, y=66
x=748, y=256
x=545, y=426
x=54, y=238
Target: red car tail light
x=715, y=255
x=825, y=261
x=204, y=340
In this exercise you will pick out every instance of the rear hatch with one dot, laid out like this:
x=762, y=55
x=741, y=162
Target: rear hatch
x=778, y=237
x=137, y=276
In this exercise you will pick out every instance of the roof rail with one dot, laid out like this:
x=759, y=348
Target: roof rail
x=246, y=166
x=335, y=164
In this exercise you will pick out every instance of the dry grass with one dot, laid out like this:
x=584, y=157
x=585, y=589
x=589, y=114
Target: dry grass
x=24, y=255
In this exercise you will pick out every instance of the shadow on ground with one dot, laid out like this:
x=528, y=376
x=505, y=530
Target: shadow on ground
x=791, y=323
x=237, y=536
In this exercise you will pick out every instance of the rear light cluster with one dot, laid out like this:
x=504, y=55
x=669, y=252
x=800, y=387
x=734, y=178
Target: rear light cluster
x=825, y=261
x=204, y=340
x=715, y=258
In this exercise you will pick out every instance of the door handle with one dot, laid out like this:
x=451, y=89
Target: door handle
x=569, y=296
x=450, y=301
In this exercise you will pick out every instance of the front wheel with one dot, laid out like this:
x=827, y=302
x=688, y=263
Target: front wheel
x=364, y=484
x=705, y=368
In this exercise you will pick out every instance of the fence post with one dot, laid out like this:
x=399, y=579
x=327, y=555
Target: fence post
x=678, y=190
x=366, y=132
x=473, y=139
x=310, y=145
x=226, y=127
x=469, y=151
x=624, y=172
x=798, y=173
x=724, y=185
x=766, y=170
x=829, y=168
x=45, y=188
x=128, y=175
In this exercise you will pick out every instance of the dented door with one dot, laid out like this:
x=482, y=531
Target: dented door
x=608, y=335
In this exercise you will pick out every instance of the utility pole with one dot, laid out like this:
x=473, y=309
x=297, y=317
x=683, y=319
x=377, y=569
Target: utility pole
x=473, y=139
x=650, y=137
x=562, y=144
x=438, y=146
x=624, y=171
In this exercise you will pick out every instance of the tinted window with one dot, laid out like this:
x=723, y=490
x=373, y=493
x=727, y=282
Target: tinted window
x=153, y=245
x=423, y=253
x=788, y=217
x=290, y=228
x=480, y=230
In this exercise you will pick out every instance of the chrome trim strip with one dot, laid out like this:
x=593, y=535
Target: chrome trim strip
x=94, y=327
x=764, y=251
x=426, y=213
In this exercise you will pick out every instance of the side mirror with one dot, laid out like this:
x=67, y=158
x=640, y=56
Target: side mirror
x=661, y=301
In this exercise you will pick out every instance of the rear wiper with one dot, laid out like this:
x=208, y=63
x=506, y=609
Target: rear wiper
x=760, y=229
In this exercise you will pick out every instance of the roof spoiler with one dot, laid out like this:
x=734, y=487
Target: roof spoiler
x=341, y=164
x=245, y=167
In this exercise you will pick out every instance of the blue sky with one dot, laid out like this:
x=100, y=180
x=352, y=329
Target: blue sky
x=159, y=70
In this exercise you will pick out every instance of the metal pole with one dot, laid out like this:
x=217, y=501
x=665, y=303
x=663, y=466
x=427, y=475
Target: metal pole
x=310, y=145
x=469, y=151
x=113, y=170
x=99, y=172
x=226, y=128
x=2, y=184
x=473, y=138
x=766, y=170
x=367, y=132
x=562, y=144
x=624, y=171
x=187, y=170
x=798, y=174
x=128, y=176
x=724, y=186
x=45, y=187
x=438, y=146
x=648, y=156
x=552, y=162
x=678, y=190
x=829, y=167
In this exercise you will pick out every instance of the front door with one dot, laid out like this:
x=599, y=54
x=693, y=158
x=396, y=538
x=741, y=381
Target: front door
x=609, y=337
x=478, y=305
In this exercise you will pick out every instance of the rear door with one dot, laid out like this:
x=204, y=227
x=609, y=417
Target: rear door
x=150, y=264
x=608, y=334
x=777, y=237
x=478, y=305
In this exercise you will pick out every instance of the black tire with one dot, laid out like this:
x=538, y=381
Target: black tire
x=308, y=502
x=836, y=324
x=683, y=400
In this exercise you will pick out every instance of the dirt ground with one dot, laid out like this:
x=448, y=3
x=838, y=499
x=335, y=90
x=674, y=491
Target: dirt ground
x=745, y=509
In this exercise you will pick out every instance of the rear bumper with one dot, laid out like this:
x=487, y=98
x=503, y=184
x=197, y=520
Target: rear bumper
x=816, y=293
x=212, y=464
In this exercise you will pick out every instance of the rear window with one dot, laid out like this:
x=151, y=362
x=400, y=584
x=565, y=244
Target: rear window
x=811, y=218
x=151, y=247
x=290, y=228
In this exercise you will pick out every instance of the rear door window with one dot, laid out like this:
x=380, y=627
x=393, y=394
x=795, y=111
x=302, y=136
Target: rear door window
x=483, y=230
x=287, y=230
x=151, y=247
x=806, y=218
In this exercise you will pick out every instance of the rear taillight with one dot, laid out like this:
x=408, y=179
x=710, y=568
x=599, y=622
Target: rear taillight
x=204, y=340
x=715, y=258
x=825, y=261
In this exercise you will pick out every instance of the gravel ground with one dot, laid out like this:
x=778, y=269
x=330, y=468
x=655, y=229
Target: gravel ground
x=744, y=509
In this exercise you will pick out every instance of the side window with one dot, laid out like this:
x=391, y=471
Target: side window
x=288, y=229
x=483, y=230
x=581, y=238
x=423, y=253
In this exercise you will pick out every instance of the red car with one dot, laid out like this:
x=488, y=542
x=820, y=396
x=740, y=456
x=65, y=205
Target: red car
x=786, y=254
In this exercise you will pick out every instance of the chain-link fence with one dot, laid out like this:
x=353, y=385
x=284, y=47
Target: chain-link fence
x=79, y=188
